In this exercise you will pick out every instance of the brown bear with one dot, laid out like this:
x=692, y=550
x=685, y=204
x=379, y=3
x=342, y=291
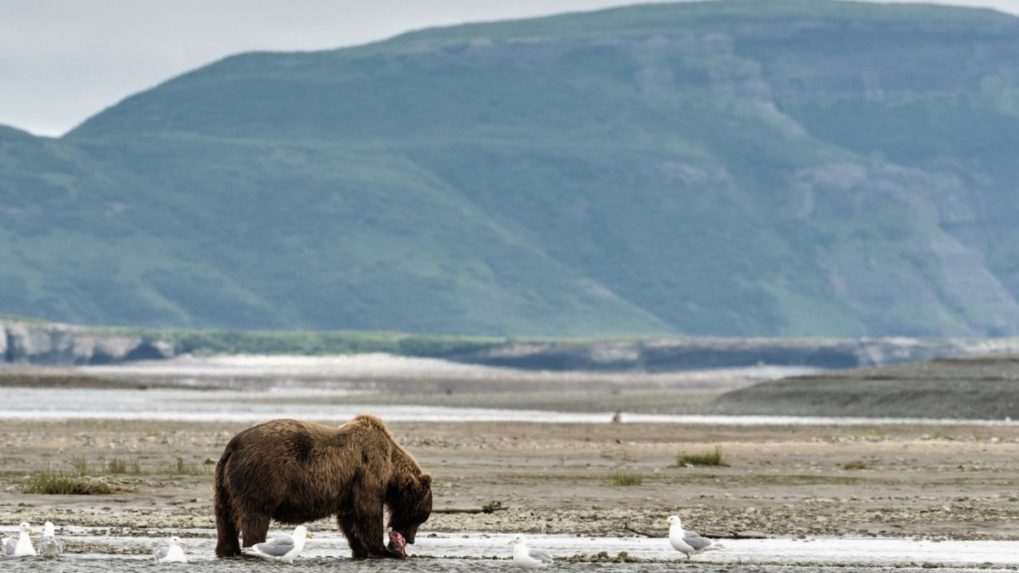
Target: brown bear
x=295, y=472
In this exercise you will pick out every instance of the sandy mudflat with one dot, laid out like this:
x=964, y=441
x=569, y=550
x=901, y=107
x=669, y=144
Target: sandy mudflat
x=960, y=482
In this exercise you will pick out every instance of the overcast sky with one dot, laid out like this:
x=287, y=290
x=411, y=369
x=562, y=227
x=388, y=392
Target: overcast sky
x=64, y=60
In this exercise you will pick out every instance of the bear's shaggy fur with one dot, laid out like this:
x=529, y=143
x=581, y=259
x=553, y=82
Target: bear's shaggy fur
x=295, y=472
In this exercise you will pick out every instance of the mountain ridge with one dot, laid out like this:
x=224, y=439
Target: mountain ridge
x=722, y=168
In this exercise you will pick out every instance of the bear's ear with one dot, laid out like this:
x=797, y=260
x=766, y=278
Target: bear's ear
x=426, y=480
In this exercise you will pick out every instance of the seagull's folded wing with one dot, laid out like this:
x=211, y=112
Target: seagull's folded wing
x=696, y=541
x=541, y=555
x=277, y=546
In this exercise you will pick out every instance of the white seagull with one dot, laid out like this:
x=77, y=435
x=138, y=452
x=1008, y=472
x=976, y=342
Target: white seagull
x=23, y=547
x=282, y=547
x=50, y=547
x=688, y=542
x=527, y=558
x=173, y=552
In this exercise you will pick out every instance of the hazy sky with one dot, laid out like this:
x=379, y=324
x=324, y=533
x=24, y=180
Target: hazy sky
x=63, y=60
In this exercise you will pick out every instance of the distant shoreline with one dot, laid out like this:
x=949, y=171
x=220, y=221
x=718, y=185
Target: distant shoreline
x=42, y=343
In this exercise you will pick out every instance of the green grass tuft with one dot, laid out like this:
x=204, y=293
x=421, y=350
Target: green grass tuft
x=624, y=478
x=56, y=483
x=180, y=467
x=711, y=458
x=80, y=465
x=116, y=466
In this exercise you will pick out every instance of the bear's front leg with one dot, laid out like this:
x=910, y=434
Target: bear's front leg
x=362, y=539
x=369, y=519
x=347, y=523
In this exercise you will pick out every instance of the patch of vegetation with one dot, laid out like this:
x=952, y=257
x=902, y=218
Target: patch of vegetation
x=53, y=380
x=180, y=467
x=856, y=465
x=798, y=479
x=80, y=465
x=310, y=343
x=22, y=319
x=57, y=483
x=119, y=466
x=710, y=458
x=113, y=466
x=625, y=478
x=492, y=507
x=116, y=466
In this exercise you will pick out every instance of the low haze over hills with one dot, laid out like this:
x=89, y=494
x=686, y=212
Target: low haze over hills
x=726, y=168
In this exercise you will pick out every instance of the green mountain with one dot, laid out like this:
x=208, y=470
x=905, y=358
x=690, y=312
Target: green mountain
x=787, y=167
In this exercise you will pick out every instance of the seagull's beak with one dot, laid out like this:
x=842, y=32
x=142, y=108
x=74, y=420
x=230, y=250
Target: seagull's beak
x=510, y=542
x=184, y=543
x=311, y=535
x=662, y=522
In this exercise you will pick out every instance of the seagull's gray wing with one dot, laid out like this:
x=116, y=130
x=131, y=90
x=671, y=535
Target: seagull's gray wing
x=696, y=541
x=161, y=553
x=541, y=555
x=277, y=546
x=51, y=547
x=9, y=545
x=282, y=538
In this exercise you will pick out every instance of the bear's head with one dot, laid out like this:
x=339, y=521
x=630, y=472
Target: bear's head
x=410, y=505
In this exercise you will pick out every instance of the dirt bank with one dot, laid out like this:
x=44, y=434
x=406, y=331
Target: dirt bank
x=970, y=388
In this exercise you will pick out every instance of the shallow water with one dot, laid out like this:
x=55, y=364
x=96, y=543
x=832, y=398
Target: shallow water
x=76, y=564
x=375, y=365
x=253, y=406
x=483, y=552
x=85, y=565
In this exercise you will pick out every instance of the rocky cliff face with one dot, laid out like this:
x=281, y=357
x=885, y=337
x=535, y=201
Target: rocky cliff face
x=26, y=342
x=44, y=343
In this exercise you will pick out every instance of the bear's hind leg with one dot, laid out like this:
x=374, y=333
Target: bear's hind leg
x=227, y=542
x=227, y=545
x=254, y=528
